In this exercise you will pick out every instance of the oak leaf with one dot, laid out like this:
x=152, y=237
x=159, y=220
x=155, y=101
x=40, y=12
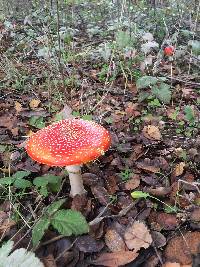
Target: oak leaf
x=152, y=132
x=137, y=236
x=115, y=259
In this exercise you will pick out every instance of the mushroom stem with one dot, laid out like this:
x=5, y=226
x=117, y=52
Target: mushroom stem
x=76, y=180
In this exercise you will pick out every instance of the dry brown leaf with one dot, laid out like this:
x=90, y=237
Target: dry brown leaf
x=49, y=261
x=182, y=248
x=115, y=259
x=179, y=169
x=34, y=103
x=5, y=222
x=114, y=241
x=147, y=166
x=174, y=264
x=132, y=183
x=18, y=106
x=137, y=236
x=152, y=132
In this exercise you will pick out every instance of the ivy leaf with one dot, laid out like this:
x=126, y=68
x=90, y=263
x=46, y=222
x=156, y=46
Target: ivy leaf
x=39, y=229
x=69, y=222
x=55, y=206
x=162, y=92
x=146, y=81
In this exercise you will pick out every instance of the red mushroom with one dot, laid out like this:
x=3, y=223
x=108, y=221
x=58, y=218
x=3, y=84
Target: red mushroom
x=169, y=50
x=69, y=143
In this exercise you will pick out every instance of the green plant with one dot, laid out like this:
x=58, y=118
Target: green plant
x=140, y=194
x=17, y=180
x=43, y=183
x=159, y=89
x=37, y=122
x=66, y=222
x=126, y=174
x=47, y=182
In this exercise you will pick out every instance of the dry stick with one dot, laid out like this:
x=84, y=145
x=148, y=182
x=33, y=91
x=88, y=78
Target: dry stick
x=60, y=255
x=120, y=214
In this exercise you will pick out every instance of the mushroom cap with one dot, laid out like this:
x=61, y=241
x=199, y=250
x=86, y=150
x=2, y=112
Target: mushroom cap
x=68, y=142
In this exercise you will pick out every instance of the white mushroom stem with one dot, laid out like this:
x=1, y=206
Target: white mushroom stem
x=76, y=180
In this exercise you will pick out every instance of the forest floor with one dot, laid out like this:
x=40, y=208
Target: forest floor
x=155, y=155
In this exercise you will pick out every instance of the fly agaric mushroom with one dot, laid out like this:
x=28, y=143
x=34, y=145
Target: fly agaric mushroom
x=69, y=143
x=169, y=50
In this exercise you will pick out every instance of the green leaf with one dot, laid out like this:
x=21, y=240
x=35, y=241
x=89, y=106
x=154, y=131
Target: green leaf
x=43, y=191
x=55, y=206
x=139, y=194
x=170, y=209
x=189, y=114
x=21, y=174
x=52, y=181
x=123, y=39
x=162, y=92
x=22, y=183
x=6, y=181
x=69, y=222
x=146, y=81
x=87, y=117
x=40, y=181
x=39, y=229
x=3, y=148
x=37, y=122
x=195, y=46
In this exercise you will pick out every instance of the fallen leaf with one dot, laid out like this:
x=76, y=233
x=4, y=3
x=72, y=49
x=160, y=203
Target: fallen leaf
x=152, y=132
x=88, y=244
x=159, y=191
x=49, y=261
x=179, y=169
x=115, y=259
x=101, y=194
x=132, y=183
x=174, y=264
x=148, y=165
x=137, y=236
x=165, y=221
x=132, y=87
x=18, y=107
x=111, y=184
x=114, y=241
x=5, y=222
x=159, y=239
x=34, y=103
x=182, y=248
x=195, y=215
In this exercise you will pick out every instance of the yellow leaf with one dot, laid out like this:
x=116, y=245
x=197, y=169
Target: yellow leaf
x=179, y=169
x=18, y=107
x=34, y=103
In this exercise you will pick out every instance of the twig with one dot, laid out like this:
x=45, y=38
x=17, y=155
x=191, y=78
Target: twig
x=120, y=214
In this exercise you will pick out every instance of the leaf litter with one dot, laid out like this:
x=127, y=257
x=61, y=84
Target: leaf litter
x=155, y=153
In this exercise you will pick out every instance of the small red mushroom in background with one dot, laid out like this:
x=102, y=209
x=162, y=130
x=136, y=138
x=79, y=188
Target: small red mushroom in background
x=169, y=50
x=69, y=143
